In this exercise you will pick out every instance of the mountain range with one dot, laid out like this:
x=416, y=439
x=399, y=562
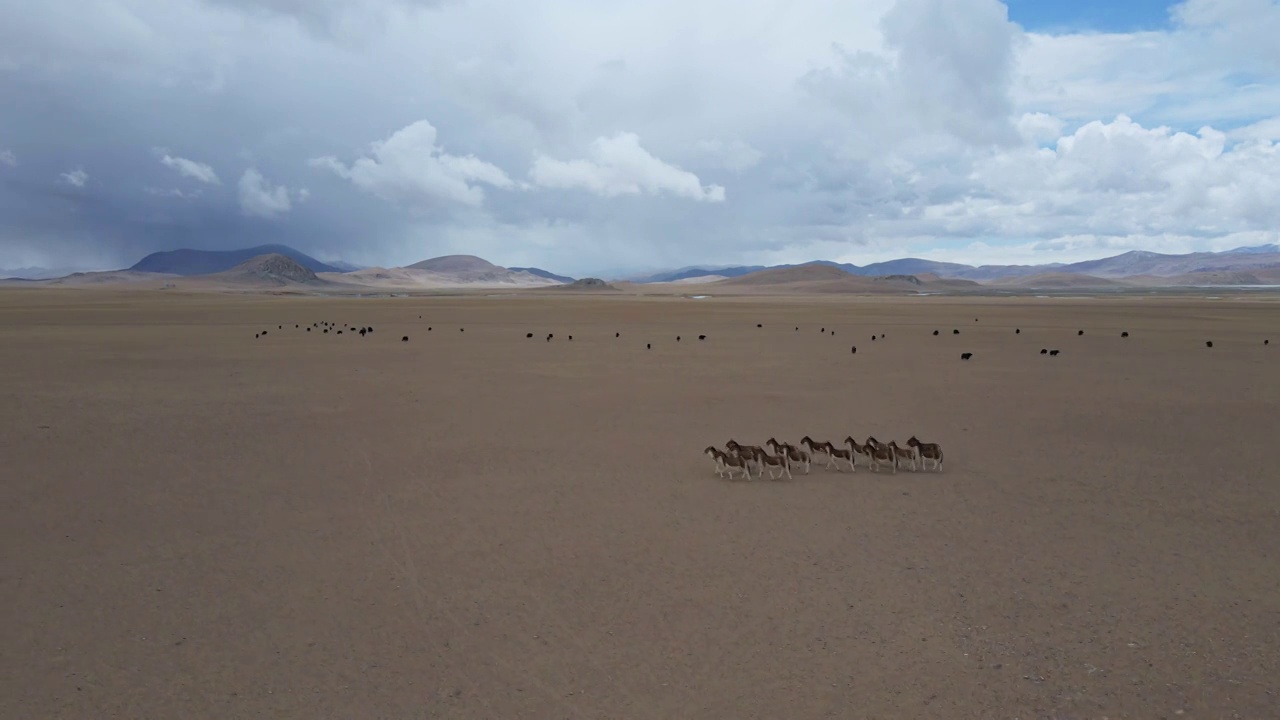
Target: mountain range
x=1256, y=265
x=1134, y=263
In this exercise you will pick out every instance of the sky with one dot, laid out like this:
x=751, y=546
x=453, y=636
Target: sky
x=609, y=138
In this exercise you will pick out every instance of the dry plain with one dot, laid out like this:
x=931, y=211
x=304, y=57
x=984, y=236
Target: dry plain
x=200, y=524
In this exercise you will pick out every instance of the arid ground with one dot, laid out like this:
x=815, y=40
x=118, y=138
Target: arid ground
x=195, y=523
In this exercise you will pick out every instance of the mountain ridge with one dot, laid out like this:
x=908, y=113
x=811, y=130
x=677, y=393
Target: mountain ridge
x=1132, y=263
x=188, y=262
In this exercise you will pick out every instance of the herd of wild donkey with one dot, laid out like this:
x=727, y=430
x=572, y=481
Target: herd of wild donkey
x=739, y=458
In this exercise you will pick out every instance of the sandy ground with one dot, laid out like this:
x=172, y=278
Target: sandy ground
x=199, y=524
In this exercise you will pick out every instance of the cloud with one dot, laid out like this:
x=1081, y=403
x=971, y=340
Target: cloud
x=342, y=19
x=734, y=155
x=172, y=192
x=192, y=169
x=619, y=166
x=76, y=178
x=592, y=137
x=411, y=169
x=259, y=198
x=8, y=158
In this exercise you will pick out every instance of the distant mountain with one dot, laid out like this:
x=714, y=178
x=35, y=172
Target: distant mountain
x=585, y=284
x=272, y=268
x=345, y=266
x=1137, y=262
x=830, y=278
x=543, y=274
x=35, y=273
x=701, y=271
x=1257, y=249
x=206, y=262
x=455, y=263
x=447, y=271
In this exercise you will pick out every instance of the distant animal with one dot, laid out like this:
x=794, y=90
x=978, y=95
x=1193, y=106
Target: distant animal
x=727, y=464
x=264, y=332
x=1017, y=331
x=879, y=454
x=256, y=335
x=873, y=338
x=1053, y=353
x=279, y=327
x=648, y=346
x=1044, y=351
x=1208, y=343
x=759, y=325
x=797, y=328
x=955, y=332
x=822, y=330
x=779, y=461
x=846, y=454
x=361, y=332
x=702, y=337
x=617, y=334
x=308, y=329
x=928, y=451
x=833, y=332
x=428, y=328
x=370, y=328
x=1124, y=334
x=853, y=350
x=404, y=339
x=1079, y=332
x=295, y=326
x=326, y=331
x=902, y=454
x=965, y=356
x=935, y=332
x=813, y=445
x=881, y=336
x=528, y=335
x=1266, y=342
x=339, y=332
x=677, y=338
x=857, y=448
x=462, y=329
x=794, y=454
x=570, y=337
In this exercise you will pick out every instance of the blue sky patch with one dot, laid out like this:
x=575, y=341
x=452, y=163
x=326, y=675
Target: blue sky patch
x=1063, y=16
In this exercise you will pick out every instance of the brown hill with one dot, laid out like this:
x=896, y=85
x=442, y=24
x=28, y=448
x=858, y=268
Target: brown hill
x=454, y=270
x=273, y=269
x=809, y=273
x=1058, y=281
x=1262, y=276
x=456, y=264
x=824, y=279
x=587, y=285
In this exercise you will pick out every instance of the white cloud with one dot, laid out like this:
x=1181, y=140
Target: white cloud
x=861, y=130
x=620, y=166
x=190, y=168
x=76, y=178
x=410, y=168
x=173, y=192
x=8, y=158
x=259, y=198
